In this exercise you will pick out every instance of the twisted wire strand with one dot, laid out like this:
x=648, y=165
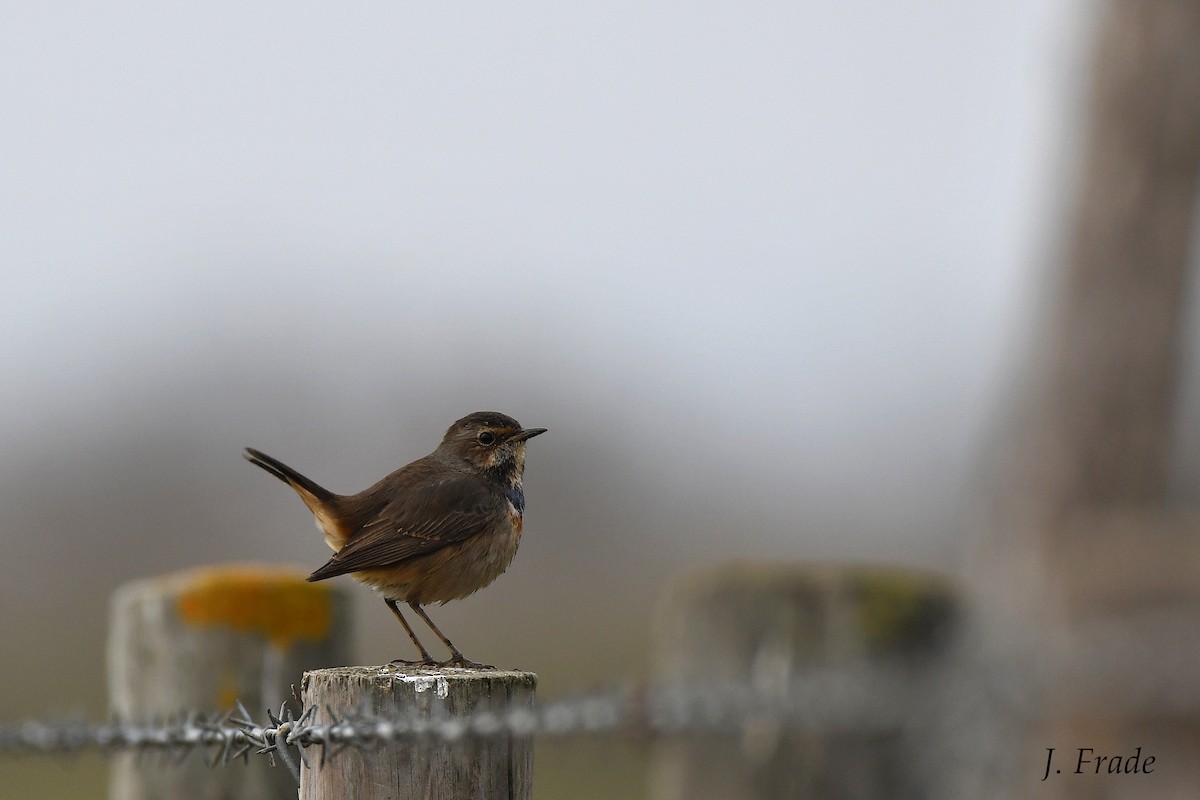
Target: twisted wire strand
x=871, y=700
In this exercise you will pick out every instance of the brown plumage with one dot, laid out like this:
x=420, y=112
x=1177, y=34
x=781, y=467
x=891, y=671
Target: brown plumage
x=438, y=529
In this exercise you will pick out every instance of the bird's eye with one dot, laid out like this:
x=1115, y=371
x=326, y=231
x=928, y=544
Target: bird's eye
x=486, y=438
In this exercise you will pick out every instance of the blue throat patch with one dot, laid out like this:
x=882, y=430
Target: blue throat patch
x=516, y=496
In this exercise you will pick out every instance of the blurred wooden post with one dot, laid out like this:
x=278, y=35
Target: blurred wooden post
x=498, y=766
x=202, y=640
x=773, y=627
x=1086, y=566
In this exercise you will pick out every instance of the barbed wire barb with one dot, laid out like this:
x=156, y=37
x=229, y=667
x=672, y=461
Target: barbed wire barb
x=819, y=702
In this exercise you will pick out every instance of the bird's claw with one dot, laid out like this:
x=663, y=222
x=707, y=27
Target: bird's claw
x=425, y=662
x=458, y=660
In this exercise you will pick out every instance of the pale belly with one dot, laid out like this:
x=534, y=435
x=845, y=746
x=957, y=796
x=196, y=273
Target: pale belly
x=450, y=573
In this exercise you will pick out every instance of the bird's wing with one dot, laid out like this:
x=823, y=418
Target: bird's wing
x=419, y=522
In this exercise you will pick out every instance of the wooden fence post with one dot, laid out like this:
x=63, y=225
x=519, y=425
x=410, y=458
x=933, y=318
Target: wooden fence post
x=771, y=628
x=497, y=766
x=203, y=640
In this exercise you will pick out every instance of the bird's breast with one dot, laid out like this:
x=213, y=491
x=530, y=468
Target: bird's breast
x=453, y=571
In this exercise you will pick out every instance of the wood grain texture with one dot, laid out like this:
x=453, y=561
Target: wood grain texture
x=205, y=639
x=497, y=767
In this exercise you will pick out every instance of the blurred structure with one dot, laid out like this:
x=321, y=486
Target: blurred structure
x=1087, y=576
x=209, y=639
x=864, y=653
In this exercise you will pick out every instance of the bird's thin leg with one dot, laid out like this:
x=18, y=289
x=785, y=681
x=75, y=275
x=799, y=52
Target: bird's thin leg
x=426, y=659
x=456, y=659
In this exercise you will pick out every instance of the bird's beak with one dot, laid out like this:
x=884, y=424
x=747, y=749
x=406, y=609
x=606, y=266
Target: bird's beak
x=526, y=433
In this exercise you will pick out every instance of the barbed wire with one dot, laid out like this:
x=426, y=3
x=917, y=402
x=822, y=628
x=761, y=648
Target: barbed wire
x=833, y=700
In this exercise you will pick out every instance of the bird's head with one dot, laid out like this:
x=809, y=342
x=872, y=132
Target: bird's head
x=488, y=441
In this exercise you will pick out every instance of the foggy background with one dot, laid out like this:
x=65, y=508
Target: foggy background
x=766, y=273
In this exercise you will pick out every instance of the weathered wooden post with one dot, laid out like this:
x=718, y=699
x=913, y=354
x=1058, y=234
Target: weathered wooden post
x=203, y=640
x=496, y=766
x=876, y=638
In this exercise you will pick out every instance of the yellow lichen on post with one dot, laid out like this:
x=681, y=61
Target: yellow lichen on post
x=275, y=602
x=206, y=639
x=898, y=608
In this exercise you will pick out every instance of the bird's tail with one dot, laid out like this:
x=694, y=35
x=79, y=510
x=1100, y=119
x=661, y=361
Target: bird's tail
x=314, y=495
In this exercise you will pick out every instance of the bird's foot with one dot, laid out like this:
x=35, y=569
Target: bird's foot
x=425, y=662
x=458, y=660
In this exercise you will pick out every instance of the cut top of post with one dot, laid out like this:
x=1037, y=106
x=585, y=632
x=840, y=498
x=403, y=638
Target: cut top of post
x=435, y=679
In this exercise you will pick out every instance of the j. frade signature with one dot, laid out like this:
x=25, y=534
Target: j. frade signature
x=1088, y=763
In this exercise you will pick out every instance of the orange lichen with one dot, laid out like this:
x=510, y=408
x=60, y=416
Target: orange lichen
x=273, y=602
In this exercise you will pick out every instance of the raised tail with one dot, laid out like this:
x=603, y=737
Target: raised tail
x=313, y=494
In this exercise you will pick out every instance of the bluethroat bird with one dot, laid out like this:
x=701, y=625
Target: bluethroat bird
x=438, y=529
